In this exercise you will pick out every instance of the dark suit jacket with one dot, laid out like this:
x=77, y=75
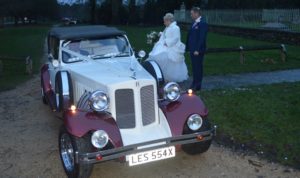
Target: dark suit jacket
x=196, y=39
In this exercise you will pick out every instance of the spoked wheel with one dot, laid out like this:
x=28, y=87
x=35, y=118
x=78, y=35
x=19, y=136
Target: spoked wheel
x=68, y=146
x=67, y=152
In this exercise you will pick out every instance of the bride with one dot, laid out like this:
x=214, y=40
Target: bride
x=168, y=52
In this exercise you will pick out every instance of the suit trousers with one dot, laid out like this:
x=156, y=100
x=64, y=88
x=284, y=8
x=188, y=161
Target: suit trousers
x=197, y=69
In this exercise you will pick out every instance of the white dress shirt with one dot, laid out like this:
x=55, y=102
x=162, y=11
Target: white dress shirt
x=197, y=21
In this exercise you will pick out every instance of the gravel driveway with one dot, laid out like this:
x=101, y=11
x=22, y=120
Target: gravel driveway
x=246, y=79
x=29, y=148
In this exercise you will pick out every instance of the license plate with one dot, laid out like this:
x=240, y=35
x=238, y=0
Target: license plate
x=152, y=155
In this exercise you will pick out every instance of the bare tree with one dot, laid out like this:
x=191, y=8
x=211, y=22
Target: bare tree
x=93, y=11
x=115, y=10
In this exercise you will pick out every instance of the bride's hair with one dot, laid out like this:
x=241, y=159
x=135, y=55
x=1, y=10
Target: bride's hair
x=169, y=16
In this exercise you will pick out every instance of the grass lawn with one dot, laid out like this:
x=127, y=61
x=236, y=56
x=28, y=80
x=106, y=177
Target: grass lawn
x=28, y=41
x=263, y=118
x=224, y=63
x=19, y=42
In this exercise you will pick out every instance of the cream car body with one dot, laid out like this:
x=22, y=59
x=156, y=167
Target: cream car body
x=113, y=106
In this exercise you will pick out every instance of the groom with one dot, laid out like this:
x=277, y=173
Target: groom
x=196, y=45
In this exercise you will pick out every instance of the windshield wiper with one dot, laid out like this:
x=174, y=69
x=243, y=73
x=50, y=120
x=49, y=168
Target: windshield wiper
x=123, y=54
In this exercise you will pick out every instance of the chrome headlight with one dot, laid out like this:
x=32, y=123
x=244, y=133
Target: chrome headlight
x=98, y=101
x=194, y=122
x=99, y=139
x=172, y=91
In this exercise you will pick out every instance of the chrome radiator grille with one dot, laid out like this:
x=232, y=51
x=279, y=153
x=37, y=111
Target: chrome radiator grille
x=147, y=104
x=125, y=107
x=125, y=112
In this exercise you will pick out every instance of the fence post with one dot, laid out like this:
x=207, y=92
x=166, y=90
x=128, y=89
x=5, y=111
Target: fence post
x=242, y=55
x=283, y=53
x=28, y=63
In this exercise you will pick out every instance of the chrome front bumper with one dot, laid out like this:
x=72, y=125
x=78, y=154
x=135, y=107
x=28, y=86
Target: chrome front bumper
x=115, y=153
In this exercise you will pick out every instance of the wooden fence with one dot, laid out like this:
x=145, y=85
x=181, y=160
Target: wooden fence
x=243, y=49
x=277, y=19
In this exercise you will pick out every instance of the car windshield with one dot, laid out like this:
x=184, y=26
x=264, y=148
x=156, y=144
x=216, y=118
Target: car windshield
x=116, y=46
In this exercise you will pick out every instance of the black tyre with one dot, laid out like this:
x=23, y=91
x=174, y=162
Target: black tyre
x=68, y=146
x=196, y=148
x=63, y=101
x=200, y=147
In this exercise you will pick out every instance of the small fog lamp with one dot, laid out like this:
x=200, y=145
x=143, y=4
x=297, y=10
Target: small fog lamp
x=190, y=91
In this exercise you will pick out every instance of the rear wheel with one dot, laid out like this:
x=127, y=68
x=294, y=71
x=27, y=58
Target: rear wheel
x=43, y=92
x=200, y=147
x=68, y=146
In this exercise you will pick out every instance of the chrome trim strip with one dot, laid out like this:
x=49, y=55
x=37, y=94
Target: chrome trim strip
x=57, y=100
x=157, y=70
x=65, y=83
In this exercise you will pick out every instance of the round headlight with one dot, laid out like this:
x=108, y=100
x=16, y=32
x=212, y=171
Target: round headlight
x=99, y=139
x=172, y=91
x=194, y=122
x=99, y=101
x=142, y=54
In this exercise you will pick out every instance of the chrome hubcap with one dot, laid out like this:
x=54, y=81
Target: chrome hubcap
x=57, y=100
x=67, y=152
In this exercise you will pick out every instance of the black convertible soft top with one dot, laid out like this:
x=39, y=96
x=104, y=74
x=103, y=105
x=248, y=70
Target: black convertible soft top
x=77, y=32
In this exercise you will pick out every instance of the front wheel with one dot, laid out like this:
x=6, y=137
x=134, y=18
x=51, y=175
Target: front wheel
x=68, y=146
x=196, y=148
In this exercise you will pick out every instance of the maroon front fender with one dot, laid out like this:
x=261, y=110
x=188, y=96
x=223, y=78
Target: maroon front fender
x=79, y=123
x=177, y=112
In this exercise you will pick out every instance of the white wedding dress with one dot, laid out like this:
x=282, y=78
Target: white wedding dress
x=168, y=52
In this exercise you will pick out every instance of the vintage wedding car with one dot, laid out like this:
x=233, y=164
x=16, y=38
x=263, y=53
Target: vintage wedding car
x=113, y=106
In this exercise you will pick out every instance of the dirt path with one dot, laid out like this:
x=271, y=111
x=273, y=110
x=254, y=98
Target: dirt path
x=29, y=148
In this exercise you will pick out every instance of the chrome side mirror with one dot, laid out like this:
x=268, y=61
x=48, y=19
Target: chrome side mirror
x=141, y=54
x=55, y=63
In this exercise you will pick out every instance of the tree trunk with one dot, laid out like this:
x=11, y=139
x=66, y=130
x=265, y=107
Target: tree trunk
x=115, y=11
x=93, y=11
